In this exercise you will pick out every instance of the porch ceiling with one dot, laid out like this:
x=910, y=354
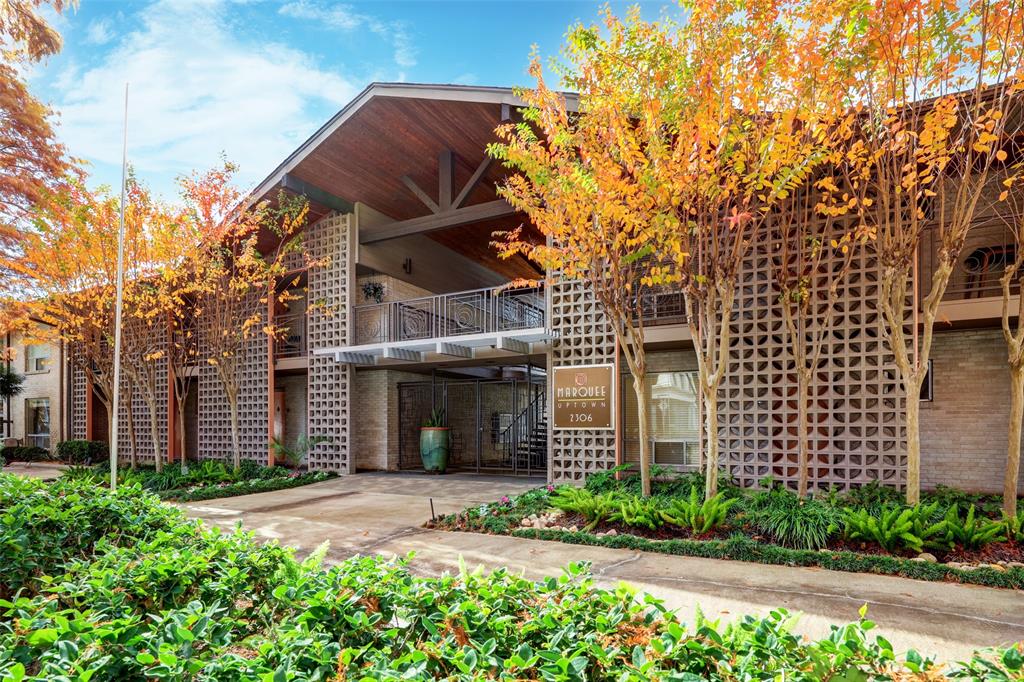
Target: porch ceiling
x=391, y=132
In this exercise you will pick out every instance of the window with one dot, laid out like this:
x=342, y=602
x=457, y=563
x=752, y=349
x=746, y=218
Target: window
x=37, y=357
x=673, y=418
x=37, y=422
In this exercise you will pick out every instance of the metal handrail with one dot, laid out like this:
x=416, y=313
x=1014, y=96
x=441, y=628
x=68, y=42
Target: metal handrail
x=523, y=425
x=460, y=313
x=293, y=343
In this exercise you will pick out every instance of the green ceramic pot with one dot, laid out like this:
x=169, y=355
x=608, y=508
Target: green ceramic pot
x=434, y=449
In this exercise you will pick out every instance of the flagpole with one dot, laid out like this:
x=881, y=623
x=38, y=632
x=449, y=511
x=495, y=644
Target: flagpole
x=119, y=300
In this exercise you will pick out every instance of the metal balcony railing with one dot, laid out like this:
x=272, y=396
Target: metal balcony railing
x=292, y=343
x=480, y=311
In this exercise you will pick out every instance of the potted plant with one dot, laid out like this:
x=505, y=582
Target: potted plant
x=434, y=443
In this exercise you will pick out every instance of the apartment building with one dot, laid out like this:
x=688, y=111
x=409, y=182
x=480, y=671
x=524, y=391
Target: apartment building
x=403, y=206
x=37, y=415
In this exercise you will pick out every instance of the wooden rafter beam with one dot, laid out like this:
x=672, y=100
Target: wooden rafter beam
x=445, y=179
x=474, y=180
x=420, y=194
x=498, y=208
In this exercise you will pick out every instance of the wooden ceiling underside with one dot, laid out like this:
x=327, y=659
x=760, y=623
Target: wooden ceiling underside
x=365, y=159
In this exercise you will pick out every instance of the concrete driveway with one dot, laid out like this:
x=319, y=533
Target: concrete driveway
x=383, y=513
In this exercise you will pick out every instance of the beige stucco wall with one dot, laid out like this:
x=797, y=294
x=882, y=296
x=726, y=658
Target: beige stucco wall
x=46, y=383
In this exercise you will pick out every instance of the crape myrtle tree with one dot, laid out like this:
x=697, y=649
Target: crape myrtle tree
x=64, y=274
x=245, y=249
x=588, y=182
x=815, y=228
x=934, y=87
x=738, y=152
x=1011, y=213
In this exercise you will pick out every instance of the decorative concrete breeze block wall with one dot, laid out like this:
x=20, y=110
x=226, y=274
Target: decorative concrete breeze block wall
x=582, y=336
x=253, y=397
x=857, y=405
x=330, y=285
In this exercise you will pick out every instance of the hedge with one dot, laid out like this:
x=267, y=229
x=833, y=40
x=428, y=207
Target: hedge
x=742, y=548
x=117, y=586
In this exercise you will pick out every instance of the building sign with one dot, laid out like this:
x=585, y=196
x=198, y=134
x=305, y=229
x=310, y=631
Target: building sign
x=584, y=397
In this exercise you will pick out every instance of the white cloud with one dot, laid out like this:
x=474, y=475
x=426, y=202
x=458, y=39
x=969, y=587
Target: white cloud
x=346, y=18
x=196, y=90
x=98, y=32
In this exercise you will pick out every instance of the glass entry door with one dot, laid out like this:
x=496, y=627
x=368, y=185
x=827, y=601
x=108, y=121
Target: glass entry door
x=496, y=426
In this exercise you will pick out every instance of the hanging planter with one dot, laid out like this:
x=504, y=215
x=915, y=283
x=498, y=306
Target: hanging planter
x=373, y=291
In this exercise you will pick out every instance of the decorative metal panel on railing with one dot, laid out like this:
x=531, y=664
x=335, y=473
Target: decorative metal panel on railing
x=292, y=341
x=481, y=311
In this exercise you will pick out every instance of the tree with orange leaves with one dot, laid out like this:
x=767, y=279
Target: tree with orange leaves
x=586, y=179
x=937, y=93
x=32, y=163
x=65, y=272
x=244, y=255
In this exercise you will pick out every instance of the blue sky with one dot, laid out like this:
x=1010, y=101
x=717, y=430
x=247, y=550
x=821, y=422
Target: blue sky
x=254, y=79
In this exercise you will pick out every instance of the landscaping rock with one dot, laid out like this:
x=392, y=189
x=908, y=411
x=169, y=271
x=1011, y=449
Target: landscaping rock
x=926, y=556
x=1015, y=564
x=573, y=529
x=527, y=523
x=613, y=532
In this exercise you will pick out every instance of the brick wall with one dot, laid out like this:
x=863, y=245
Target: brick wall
x=963, y=431
x=375, y=418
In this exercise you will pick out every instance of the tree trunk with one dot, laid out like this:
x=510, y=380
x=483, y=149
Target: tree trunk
x=640, y=386
x=1010, y=481
x=236, y=454
x=132, y=442
x=181, y=435
x=710, y=396
x=154, y=435
x=803, y=387
x=913, y=448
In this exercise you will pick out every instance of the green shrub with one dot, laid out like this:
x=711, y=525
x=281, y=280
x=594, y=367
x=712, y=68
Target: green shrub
x=639, y=512
x=25, y=453
x=698, y=515
x=792, y=522
x=895, y=528
x=158, y=597
x=81, y=451
x=970, y=531
x=596, y=509
x=872, y=496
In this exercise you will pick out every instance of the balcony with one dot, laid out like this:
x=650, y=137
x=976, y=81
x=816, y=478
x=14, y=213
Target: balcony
x=464, y=313
x=458, y=325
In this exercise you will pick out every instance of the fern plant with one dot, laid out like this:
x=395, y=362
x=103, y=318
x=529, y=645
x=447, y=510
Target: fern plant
x=640, y=512
x=697, y=514
x=892, y=528
x=1013, y=527
x=596, y=509
x=971, y=531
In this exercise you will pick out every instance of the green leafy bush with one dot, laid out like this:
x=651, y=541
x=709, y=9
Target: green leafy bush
x=896, y=528
x=173, y=601
x=698, y=515
x=970, y=531
x=81, y=451
x=640, y=512
x=596, y=509
x=792, y=522
x=25, y=453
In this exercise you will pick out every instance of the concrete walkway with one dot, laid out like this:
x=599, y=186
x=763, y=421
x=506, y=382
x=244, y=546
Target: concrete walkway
x=48, y=471
x=383, y=513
